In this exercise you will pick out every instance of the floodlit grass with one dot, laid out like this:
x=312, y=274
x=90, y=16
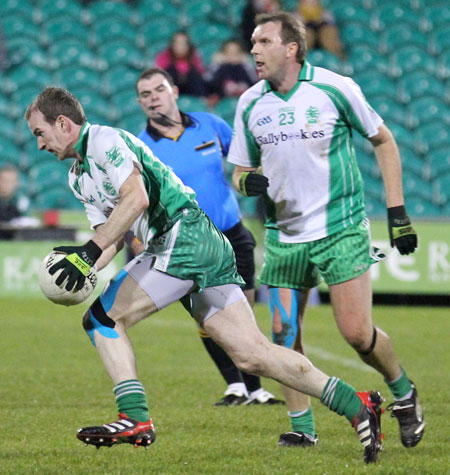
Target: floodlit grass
x=52, y=383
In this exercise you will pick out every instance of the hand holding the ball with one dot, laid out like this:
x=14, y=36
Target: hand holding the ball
x=76, y=265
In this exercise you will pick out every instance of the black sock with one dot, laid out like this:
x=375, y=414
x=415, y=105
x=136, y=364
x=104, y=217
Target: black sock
x=252, y=382
x=223, y=362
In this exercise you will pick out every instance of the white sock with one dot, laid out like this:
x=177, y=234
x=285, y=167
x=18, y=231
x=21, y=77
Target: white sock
x=238, y=389
x=406, y=396
x=258, y=392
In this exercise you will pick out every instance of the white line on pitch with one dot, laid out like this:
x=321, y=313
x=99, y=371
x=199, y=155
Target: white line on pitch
x=315, y=351
x=327, y=356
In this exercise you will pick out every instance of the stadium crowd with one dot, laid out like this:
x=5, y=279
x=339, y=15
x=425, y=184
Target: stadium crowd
x=397, y=53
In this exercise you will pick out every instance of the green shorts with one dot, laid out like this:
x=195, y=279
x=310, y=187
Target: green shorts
x=336, y=258
x=194, y=249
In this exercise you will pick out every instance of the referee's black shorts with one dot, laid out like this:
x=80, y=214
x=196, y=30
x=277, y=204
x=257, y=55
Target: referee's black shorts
x=243, y=244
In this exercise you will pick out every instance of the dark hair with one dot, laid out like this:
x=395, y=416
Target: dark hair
x=191, y=47
x=149, y=73
x=292, y=30
x=55, y=101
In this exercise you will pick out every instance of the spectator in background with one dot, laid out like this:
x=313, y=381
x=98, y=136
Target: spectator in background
x=182, y=61
x=12, y=203
x=251, y=9
x=232, y=71
x=321, y=29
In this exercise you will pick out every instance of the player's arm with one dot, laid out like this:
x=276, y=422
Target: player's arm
x=402, y=234
x=388, y=158
x=108, y=254
x=249, y=182
x=132, y=202
x=79, y=260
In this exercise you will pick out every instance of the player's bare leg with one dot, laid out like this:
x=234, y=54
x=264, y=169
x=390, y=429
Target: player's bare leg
x=259, y=394
x=352, y=306
x=235, y=329
x=117, y=354
x=108, y=332
x=288, y=308
x=242, y=388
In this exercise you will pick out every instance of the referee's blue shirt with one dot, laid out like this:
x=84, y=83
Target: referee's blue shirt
x=196, y=157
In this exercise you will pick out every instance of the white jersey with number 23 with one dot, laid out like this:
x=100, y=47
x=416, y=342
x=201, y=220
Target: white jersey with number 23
x=302, y=141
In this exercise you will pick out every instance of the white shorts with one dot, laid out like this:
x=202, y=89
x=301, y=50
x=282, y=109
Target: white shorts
x=164, y=289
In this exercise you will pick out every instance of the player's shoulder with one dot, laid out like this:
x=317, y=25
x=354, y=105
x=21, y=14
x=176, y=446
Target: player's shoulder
x=100, y=136
x=331, y=78
x=106, y=142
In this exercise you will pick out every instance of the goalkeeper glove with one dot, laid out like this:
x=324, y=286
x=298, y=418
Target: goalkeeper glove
x=401, y=232
x=76, y=265
x=253, y=184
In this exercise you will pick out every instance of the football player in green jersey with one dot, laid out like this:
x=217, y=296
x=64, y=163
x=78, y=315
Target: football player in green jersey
x=293, y=145
x=124, y=186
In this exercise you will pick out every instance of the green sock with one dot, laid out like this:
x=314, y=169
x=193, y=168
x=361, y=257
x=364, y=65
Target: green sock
x=341, y=398
x=303, y=421
x=401, y=386
x=131, y=400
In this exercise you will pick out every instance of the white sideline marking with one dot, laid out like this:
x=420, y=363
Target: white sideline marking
x=348, y=362
x=315, y=351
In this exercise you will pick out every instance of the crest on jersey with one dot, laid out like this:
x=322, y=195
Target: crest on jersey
x=114, y=156
x=312, y=115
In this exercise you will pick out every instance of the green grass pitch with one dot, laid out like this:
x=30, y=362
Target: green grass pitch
x=52, y=383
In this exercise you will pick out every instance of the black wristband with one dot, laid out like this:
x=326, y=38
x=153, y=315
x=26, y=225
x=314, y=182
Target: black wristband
x=91, y=252
x=396, y=211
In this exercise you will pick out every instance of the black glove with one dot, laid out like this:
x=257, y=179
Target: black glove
x=401, y=232
x=76, y=265
x=253, y=184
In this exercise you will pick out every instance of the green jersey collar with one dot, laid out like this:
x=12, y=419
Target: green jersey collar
x=306, y=74
x=81, y=146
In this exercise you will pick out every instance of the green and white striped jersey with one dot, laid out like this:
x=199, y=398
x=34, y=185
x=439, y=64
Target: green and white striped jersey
x=109, y=156
x=302, y=141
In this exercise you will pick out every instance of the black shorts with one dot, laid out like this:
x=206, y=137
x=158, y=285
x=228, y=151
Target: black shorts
x=243, y=244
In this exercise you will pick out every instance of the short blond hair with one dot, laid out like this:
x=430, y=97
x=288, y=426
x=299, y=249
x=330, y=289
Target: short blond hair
x=55, y=101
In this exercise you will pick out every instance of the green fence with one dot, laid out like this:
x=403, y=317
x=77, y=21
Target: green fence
x=427, y=271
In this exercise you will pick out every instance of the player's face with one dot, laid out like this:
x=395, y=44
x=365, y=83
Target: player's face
x=180, y=45
x=156, y=96
x=268, y=51
x=51, y=137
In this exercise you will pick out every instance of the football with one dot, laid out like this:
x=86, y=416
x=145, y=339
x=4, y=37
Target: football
x=60, y=295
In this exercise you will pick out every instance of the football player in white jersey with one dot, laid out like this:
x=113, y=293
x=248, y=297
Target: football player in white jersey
x=293, y=145
x=124, y=186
